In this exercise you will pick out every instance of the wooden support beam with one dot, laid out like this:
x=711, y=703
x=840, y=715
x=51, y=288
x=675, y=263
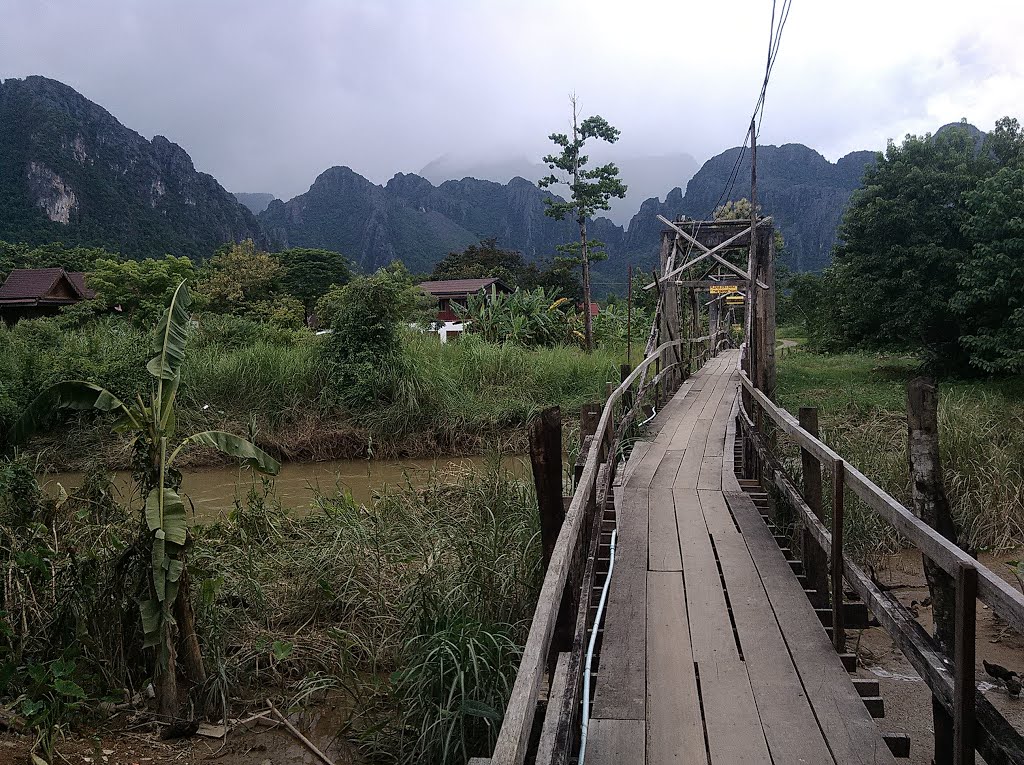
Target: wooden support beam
x=838, y=499
x=963, y=665
x=814, y=557
x=707, y=252
x=545, y=436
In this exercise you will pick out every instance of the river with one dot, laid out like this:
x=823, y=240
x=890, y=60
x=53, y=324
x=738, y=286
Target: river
x=213, y=490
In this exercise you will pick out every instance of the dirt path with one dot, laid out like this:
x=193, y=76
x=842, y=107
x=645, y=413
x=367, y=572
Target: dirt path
x=907, y=698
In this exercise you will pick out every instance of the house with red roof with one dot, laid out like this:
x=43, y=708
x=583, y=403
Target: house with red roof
x=28, y=293
x=457, y=291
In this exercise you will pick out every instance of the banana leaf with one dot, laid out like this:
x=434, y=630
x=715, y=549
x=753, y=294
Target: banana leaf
x=70, y=394
x=171, y=336
x=233, y=446
x=172, y=523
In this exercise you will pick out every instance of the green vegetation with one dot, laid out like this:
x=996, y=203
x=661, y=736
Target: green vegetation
x=383, y=605
x=486, y=260
x=164, y=599
x=590, y=191
x=931, y=256
x=862, y=411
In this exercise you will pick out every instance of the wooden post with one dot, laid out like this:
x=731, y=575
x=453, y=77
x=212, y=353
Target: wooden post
x=963, y=666
x=815, y=559
x=838, y=500
x=765, y=312
x=629, y=313
x=545, y=436
x=669, y=329
x=931, y=505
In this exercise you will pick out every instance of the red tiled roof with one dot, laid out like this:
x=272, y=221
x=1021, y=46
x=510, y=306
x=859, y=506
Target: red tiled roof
x=34, y=283
x=459, y=287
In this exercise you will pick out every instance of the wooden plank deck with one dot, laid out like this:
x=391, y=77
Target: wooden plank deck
x=711, y=652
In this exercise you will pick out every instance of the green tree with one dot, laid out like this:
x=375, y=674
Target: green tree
x=140, y=288
x=245, y=281
x=895, y=270
x=364, y=346
x=309, y=274
x=53, y=255
x=482, y=261
x=589, y=191
x=149, y=427
x=989, y=298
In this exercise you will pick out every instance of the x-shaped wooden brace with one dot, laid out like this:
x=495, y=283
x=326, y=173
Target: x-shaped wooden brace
x=712, y=252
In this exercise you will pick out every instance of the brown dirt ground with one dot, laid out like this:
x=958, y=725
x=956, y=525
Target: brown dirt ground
x=121, y=743
x=907, y=699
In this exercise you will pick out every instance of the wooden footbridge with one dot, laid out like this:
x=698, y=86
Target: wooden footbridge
x=696, y=601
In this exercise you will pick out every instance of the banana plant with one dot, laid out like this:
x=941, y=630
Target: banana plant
x=150, y=429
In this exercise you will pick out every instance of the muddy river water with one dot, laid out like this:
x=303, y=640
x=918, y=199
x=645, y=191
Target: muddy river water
x=213, y=490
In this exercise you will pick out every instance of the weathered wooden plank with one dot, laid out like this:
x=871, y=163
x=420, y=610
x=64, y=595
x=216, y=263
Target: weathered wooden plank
x=665, y=475
x=992, y=588
x=621, y=683
x=689, y=468
x=730, y=713
x=513, y=738
x=789, y=724
x=640, y=477
x=662, y=537
x=675, y=729
x=710, y=472
x=615, y=742
x=848, y=728
x=546, y=749
x=640, y=449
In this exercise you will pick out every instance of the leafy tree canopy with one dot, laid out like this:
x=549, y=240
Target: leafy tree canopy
x=486, y=259
x=310, y=273
x=141, y=288
x=54, y=255
x=932, y=254
x=245, y=281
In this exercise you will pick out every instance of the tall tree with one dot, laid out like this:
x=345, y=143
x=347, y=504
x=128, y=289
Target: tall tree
x=311, y=273
x=895, y=271
x=589, y=192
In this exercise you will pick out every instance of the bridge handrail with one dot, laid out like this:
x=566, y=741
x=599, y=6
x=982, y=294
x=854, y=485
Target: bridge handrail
x=513, y=738
x=1004, y=600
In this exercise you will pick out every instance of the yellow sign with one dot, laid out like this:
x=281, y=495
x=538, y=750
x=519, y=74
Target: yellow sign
x=737, y=327
x=734, y=300
x=722, y=289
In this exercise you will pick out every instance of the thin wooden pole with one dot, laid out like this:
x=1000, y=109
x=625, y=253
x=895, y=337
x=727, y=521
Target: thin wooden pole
x=963, y=664
x=838, y=501
x=545, y=436
x=629, y=313
x=814, y=555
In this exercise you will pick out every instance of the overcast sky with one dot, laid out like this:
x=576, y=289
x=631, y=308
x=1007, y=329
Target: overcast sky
x=267, y=95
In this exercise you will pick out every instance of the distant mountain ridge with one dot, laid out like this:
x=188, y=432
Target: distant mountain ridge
x=804, y=193
x=412, y=220
x=645, y=176
x=70, y=172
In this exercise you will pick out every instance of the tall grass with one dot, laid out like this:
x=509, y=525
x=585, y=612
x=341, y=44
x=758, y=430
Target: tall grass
x=415, y=606
x=276, y=386
x=862, y=412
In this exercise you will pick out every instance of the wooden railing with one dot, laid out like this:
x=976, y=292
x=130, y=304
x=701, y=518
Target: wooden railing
x=560, y=621
x=976, y=722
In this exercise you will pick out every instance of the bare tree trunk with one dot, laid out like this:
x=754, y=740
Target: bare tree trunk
x=167, y=677
x=192, y=656
x=588, y=321
x=932, y=506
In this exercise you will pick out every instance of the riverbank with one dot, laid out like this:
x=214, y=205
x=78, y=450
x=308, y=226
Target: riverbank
x=382, y=604
x=463, y=398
